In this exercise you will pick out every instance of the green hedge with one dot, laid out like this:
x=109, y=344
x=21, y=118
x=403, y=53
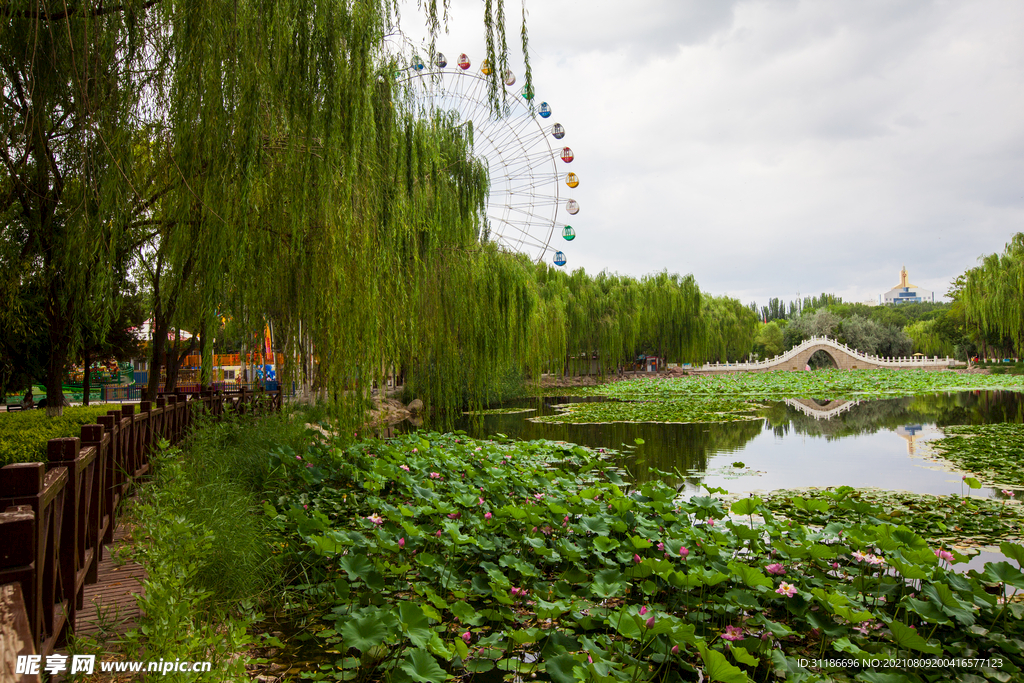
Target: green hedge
x=23, y=435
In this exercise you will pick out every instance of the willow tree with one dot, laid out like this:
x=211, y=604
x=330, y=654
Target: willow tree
x=993, y=296
x=730, y=329
x=73, y=77
x=673, y=324
x=271, y=125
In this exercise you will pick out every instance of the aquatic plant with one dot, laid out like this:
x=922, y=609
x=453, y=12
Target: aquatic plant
x=576, y=575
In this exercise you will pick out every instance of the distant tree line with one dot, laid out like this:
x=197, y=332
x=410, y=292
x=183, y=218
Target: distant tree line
x=985, y=317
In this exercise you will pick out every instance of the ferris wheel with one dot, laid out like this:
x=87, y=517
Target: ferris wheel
x=531, y=183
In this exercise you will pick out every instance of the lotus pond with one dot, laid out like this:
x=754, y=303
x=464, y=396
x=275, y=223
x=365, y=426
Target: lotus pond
x=731, y=536
x=432, y=557
x=795, y=443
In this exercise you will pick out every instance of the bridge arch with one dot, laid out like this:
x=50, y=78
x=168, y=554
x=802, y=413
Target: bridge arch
x=845, y=358
x=842, y=359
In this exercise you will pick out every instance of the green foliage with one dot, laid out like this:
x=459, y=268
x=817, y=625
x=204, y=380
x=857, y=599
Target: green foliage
x=184, y=616
x=23, y=435
x=929, y=338
x=209, y=552
x=730, y=330
x=992, y=295
x=660, y=410
x=832, y=384
x=439, y=555
x=951, y=520
x=993, y=452
x=769, y=342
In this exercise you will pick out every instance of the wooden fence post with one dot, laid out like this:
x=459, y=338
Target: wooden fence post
x=94, y=436
x=29, y=484
x=73, y=556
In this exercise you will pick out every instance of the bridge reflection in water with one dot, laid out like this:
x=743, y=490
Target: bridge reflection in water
x=799, y=442
x=821, y=410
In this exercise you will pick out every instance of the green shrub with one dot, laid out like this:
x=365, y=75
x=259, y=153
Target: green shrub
x=217, y=483
x=23, y=435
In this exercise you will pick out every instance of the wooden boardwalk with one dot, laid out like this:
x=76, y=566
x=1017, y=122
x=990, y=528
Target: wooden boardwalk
x=109, y=606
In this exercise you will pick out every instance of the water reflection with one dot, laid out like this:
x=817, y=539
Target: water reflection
x=798, y=442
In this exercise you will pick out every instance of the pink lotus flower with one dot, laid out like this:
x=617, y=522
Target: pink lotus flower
x=787, y=589
x=733, y=633
x=835, y=565
x=636, y=558
x=683, y=552
x=376, y=519
x=661, y=547
x=435, y=475
x=650, y=622
x=1008, y=493
x=404, y=467
x=643, y=610
x=298, y=457
x=415, y=450
x=455, y=515
x=487, y=515
x=711, y=521
x=438, y=534
x=467, y=636
x=675, y=649
x=480, y=501
x=590, y=660
x=401, y=543
x=776, y=569
x=944, y=555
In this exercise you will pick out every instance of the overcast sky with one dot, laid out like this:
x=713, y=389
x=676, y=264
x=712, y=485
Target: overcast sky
x=778, y=146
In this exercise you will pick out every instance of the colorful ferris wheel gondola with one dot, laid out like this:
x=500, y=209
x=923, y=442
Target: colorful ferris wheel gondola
x=559, y=259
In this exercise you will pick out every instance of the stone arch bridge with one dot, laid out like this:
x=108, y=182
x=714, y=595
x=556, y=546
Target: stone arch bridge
x=845, y=358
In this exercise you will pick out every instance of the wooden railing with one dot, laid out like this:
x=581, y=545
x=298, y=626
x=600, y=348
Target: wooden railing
x=55, y=517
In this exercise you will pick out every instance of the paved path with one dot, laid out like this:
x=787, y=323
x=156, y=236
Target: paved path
x=109, y=606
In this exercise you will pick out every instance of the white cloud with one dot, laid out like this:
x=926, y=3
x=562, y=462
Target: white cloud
x=777, y=146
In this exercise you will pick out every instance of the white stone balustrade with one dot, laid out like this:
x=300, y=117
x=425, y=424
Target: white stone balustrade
x=845, y=358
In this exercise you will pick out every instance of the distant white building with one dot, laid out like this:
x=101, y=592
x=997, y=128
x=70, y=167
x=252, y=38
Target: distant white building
x=906, y=293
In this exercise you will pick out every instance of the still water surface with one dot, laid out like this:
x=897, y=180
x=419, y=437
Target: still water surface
x=798, y=443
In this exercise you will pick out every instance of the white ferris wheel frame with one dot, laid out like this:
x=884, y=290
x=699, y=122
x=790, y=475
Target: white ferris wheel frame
x=525, y=192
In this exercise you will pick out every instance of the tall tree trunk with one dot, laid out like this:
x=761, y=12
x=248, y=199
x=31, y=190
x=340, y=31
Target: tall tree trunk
x=157, y=359
x=85, y=377
x=59, y=346
x=173, y=363
x=206, y=351
x=175, y=360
